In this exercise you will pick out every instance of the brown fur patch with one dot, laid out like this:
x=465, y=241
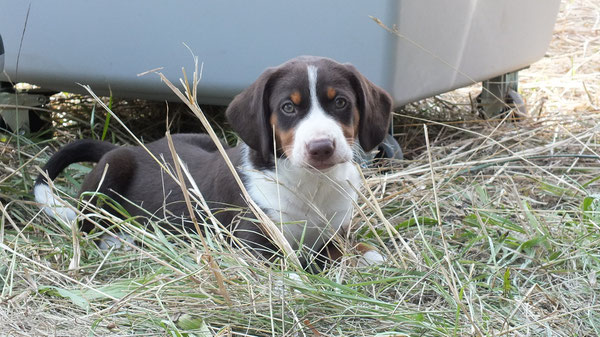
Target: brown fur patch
x=356, y=120
x=331, y=93
x=348, y=131
x=296, y=97
x=351, y=131
x=283, y=139
x=363, y=248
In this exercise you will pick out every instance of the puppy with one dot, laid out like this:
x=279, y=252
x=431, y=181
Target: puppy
x=299, y=123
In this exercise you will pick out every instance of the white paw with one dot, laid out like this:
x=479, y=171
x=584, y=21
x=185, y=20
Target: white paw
x=370, y=258
x=108, y=241
x=281, y=285
x=52, y=204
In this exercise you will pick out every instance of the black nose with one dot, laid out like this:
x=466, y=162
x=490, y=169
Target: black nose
x=320, y=149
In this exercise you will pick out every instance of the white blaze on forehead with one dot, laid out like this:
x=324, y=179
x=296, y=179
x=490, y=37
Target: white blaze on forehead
x=317, y=124
x=312, y=86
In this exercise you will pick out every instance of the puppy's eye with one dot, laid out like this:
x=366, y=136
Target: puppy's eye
x=288, y=108
x=340, y=103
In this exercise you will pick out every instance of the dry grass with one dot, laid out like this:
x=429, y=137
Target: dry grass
x=491, y=229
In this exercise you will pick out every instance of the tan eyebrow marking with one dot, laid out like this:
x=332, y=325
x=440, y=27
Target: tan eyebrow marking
x=296, y=97
x=330, y=93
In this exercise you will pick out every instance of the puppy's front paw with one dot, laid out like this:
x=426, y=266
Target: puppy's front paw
x=287, y=283
x=369, y=256
x=107, y=241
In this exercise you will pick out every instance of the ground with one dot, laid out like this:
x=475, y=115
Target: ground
x=491, y=228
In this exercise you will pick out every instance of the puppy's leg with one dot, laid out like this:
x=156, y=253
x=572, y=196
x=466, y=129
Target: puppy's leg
x=251, y=237
x=119, y=166
x=325, y=256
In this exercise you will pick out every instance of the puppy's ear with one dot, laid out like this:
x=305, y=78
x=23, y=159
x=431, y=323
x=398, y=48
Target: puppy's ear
x=375, y=110
x=249, y=114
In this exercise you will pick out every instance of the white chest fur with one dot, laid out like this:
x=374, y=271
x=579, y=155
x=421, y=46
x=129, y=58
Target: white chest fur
x=309, y=205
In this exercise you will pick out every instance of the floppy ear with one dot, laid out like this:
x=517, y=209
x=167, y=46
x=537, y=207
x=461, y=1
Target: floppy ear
x=249, y=114
x=375, y=107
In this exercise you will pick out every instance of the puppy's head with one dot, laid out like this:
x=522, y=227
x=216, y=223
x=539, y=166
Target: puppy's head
x=315, y=107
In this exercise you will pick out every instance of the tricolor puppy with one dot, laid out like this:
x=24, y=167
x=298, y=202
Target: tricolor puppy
x=315, y=108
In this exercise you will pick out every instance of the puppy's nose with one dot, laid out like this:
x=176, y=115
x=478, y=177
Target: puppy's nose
x=320, y=149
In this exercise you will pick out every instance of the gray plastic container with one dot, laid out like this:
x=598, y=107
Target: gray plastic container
x=443, y=44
